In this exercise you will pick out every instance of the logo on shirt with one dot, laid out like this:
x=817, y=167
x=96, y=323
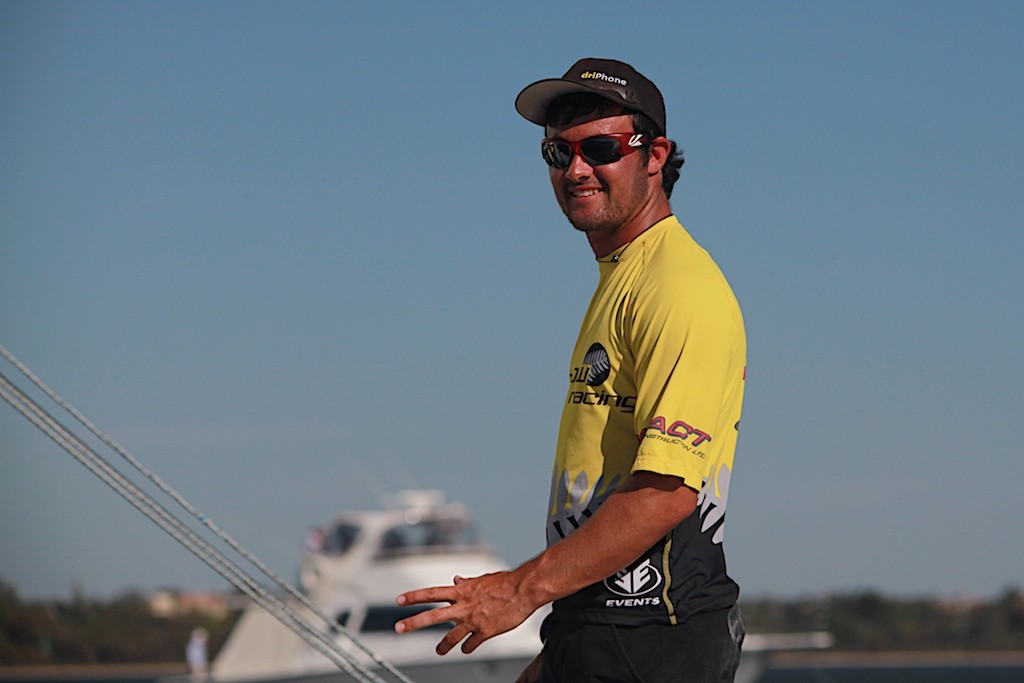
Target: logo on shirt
x=596, y=367
x=634, y=581
x=676, y=429
x=594, y=372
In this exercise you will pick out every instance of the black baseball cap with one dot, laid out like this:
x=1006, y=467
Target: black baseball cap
x=611, y=79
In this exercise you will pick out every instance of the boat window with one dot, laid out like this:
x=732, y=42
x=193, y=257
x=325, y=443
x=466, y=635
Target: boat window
x=342, y=618
x=340, y=538
x=383, y=618
x=429, y=536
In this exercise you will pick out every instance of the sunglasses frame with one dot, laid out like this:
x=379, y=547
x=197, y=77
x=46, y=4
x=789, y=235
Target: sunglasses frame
x=628, y=143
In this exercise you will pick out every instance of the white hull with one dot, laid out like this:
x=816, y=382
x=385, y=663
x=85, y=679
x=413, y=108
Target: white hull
x=261, y=649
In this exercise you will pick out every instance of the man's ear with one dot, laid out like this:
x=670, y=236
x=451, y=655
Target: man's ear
x=657, y=155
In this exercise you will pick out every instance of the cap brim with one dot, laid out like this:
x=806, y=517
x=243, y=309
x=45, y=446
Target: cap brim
x=533, y=101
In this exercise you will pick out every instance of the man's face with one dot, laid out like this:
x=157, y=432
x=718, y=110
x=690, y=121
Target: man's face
x=600, y=200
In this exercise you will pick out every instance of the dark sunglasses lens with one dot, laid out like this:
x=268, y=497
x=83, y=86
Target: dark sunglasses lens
x=599, y=151
x=556, y=154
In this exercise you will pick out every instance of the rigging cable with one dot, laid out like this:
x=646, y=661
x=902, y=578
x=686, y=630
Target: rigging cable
x=203, y=519
x=286, y=614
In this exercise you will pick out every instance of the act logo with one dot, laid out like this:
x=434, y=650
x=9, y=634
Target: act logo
x=634, y=581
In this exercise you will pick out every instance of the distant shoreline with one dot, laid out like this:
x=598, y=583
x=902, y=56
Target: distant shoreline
x=86, y=672
x=840, y=659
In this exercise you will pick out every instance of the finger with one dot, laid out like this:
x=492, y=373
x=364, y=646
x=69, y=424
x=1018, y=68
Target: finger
x=429, y=617
x=435, y=594
x=452, y=639
x=474, y=641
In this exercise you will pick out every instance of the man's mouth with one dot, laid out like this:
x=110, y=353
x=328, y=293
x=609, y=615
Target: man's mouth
x=584, y=191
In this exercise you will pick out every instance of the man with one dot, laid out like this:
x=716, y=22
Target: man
x=634, y=564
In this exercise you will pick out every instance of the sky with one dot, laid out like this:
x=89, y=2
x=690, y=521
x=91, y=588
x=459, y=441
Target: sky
x=294, y=256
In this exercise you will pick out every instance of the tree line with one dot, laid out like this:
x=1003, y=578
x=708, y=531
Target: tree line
x=869, y=621
x=82, y=630
x=124, y=629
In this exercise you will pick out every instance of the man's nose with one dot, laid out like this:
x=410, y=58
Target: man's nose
x=578, y=168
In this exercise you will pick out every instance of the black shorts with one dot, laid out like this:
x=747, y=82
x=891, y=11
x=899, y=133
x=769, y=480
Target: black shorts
x=705, y=649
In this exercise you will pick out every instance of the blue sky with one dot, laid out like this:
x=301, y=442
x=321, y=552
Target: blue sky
x=293, y=255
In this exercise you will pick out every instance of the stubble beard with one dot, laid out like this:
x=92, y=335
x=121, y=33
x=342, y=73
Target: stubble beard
x=613, y=214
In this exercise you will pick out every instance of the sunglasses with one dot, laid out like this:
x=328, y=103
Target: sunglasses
x=596, y=151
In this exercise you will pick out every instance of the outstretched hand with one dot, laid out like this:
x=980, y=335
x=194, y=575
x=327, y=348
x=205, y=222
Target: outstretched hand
x=480, y=607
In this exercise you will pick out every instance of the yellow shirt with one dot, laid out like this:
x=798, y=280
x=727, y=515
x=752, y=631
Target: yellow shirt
x=655, y=384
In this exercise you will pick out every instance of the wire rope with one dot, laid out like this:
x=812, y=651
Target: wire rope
x=144, y=503
x=205, y=520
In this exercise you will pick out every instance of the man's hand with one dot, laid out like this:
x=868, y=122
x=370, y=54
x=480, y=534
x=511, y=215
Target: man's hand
x=481, y=608
x=642, y=510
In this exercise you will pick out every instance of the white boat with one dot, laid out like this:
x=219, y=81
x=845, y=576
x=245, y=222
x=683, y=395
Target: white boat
x=354, y=568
